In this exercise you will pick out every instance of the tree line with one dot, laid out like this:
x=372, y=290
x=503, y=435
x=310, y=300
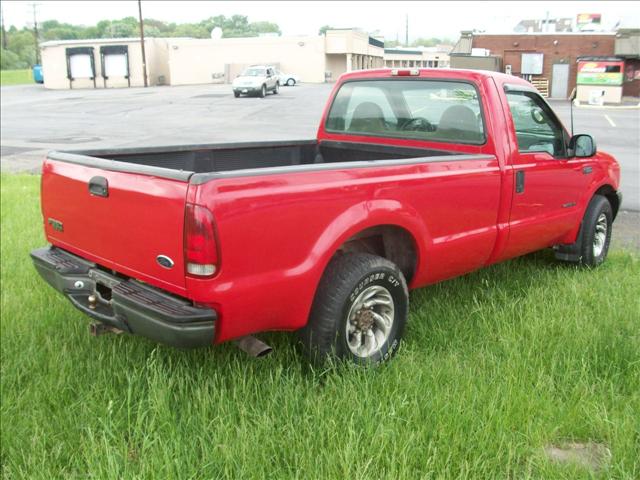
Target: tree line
x=19, y=50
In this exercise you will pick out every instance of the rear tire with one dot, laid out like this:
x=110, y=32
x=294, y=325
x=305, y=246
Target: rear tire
x=596, y=232
x=359, y=311
x=291, y=82
x=276, y=89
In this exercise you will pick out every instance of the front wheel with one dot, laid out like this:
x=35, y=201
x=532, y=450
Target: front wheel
x=263, y=91
x=596, y=231
x=359, y=311
x=276, y=88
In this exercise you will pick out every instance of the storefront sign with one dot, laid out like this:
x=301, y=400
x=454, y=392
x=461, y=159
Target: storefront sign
x=600, y=73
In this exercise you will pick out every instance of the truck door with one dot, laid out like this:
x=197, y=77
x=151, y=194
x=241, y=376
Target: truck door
x=547, y=184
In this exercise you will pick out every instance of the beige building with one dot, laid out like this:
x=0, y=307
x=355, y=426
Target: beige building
x=314, y=59
x=117, y=62
x=419, y=57
x=103, y=63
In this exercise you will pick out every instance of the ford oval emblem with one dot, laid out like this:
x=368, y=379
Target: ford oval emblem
x=164, y=261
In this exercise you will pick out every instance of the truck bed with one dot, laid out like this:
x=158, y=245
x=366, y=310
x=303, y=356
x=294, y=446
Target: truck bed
x=180, y=162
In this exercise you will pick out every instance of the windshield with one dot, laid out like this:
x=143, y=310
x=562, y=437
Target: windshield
x=254, y=72
x=438, y=110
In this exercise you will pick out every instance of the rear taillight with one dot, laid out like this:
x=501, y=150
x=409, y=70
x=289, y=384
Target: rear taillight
x=200, y=246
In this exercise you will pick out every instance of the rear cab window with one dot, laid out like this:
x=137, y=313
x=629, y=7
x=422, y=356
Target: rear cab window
x=431, y=110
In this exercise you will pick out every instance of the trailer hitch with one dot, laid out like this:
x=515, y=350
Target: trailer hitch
x=98, y=328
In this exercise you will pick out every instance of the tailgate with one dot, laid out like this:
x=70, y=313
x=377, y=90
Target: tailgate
x=126, y=228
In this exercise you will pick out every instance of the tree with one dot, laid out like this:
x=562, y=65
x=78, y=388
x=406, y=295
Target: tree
x=20, y=52
x=11, y=61
x=323, y=29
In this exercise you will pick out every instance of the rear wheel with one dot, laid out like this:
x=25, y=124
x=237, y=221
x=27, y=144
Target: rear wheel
x=263, y=91
x=359, y=311
x=276, y=89
x=291, y=82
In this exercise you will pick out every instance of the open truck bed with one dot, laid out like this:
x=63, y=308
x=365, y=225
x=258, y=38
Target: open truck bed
x=208, y=161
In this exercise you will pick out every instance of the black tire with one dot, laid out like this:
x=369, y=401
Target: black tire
x=291, y=82
x=263, y=91
x=347, y=277
x=276, y=88
x=599, y=209
x=236, y=94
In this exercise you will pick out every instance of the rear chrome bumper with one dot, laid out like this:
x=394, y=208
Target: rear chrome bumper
x=125, y=303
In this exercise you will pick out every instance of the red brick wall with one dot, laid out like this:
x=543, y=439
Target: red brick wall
x=567, y=50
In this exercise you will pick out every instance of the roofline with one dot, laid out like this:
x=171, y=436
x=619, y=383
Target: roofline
x=531, y=34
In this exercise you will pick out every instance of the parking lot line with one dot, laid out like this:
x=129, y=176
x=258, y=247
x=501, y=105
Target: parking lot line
x=611, y=122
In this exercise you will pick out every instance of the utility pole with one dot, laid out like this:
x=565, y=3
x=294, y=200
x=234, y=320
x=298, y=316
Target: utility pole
x=34, y=7
x=406, y=31
x=144, y=58
x=4, y=32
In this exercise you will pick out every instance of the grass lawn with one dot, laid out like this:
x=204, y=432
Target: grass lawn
x=15, y=77
x=496, y=365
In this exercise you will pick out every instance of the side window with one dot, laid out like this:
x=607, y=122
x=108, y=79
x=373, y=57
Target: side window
x=537, y=129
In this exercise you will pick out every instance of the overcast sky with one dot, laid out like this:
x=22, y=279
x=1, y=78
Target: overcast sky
x=426, y=19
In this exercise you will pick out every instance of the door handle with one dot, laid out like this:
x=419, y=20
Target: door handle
x=99, y=186
x=520, y=181
x=587, y=170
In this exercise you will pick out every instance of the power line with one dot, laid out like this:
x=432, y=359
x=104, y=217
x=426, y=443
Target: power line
x=34, y=8
x=4, y=32
x=144, y=59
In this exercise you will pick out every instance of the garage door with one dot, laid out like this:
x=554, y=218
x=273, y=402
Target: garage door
x=81, y=66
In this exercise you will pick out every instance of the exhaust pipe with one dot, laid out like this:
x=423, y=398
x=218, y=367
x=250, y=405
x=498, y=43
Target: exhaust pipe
x=253, y=347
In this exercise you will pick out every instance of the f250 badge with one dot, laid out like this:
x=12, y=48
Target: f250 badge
x=55, y=224
x=164, y=261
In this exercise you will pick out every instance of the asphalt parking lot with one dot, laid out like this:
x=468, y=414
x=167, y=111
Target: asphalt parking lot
x=35, y=120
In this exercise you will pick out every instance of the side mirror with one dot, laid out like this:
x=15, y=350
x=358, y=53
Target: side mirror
x=582, y=145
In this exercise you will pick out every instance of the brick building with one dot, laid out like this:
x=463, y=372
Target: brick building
x=558, y=60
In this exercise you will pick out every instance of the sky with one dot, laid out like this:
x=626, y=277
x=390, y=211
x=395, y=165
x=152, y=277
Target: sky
x=426, y=19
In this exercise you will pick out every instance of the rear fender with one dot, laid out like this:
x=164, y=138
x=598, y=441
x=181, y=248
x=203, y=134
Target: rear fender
x=363, y=216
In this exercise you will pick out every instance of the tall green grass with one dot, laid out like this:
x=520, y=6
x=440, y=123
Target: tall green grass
x=496, y=365
x=15, y=77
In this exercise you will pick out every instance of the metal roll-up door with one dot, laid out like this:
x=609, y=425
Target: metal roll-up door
x=80, y=64
x=115, y=62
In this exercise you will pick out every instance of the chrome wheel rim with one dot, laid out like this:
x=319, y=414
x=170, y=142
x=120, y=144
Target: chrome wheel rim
x=369, y=321
x=600, y=235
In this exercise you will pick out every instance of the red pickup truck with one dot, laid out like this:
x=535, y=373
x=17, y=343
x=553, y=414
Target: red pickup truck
x=415, y=176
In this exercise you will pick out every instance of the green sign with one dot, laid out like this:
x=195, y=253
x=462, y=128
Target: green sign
x=600, y=79
x=600, y=73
